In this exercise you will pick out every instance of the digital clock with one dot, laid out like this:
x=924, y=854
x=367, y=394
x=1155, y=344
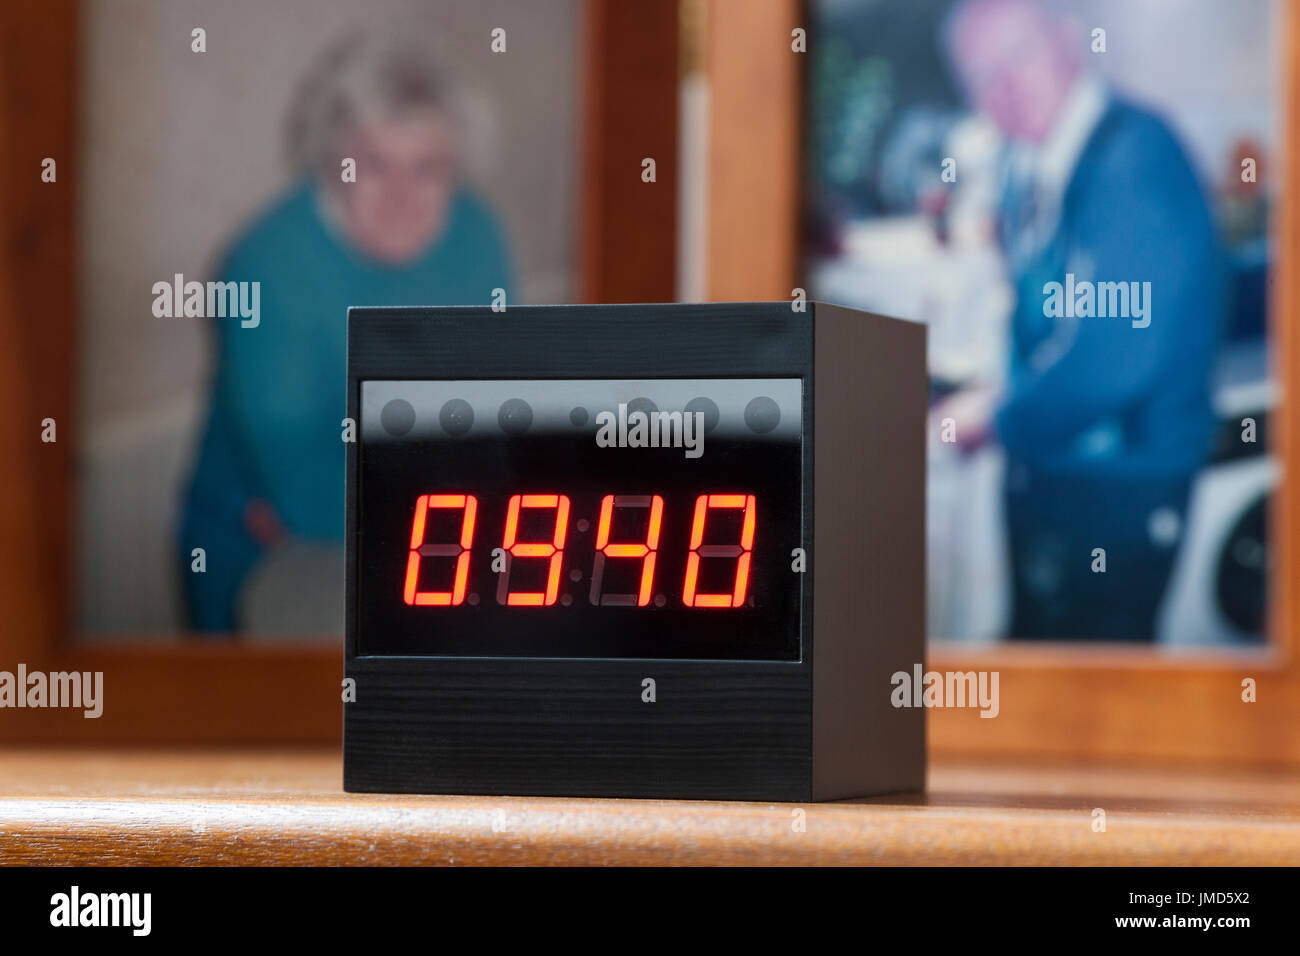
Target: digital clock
x=634, y=550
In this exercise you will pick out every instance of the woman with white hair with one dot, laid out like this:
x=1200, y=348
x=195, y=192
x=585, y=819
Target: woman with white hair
x=403, y=231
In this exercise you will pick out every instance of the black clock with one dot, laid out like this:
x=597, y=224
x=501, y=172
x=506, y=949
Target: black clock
x=638, y=550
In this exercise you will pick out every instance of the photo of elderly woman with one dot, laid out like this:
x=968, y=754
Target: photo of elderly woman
x=381, y=160
x=270, y=469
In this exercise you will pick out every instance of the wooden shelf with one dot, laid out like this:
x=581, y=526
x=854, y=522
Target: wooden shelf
x=277, y=807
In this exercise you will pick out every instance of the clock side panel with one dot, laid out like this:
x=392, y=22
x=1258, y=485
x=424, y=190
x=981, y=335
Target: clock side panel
x=868, y=561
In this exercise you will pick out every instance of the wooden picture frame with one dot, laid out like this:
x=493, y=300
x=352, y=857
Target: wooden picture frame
x=1063, y=700
x=183, y=693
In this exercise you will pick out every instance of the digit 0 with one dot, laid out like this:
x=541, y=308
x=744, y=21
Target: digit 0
x=469, y=506
x=699, y=550
x=553, y=550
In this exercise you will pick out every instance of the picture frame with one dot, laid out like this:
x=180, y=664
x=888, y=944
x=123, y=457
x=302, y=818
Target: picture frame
x=167, y=690
x=1060, y=700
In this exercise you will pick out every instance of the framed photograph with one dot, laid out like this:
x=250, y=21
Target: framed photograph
x=905, y=204
x=189, y=213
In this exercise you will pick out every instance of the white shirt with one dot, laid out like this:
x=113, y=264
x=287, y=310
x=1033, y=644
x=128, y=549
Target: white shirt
x=1052, y=163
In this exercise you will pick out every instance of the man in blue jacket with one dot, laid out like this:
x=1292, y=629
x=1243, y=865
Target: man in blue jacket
x=1112, y=252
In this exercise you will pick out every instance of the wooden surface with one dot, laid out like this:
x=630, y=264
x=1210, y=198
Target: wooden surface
x=276, y=807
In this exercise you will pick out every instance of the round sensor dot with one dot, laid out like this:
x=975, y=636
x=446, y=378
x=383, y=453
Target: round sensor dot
x=397, y=417
x=456, y=417
x=708, y=407
x=762, y=414
x=515, y=417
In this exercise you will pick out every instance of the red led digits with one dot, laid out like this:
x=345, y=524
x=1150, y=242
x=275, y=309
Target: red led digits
x=741, y=552
x=469, y=506
x=647, y=551
x=554, y=550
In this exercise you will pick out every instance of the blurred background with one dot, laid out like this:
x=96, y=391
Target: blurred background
x=946, y=162
x=939, y=161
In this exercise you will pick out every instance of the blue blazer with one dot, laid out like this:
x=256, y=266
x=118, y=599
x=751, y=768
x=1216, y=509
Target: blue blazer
x=1120, y=402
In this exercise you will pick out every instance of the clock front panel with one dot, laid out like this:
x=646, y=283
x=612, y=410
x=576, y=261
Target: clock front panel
x=581, y=518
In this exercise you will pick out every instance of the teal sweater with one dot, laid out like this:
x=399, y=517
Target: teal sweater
x=274, y=422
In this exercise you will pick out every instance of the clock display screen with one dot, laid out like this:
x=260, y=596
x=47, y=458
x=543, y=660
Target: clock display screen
x=586, y=518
